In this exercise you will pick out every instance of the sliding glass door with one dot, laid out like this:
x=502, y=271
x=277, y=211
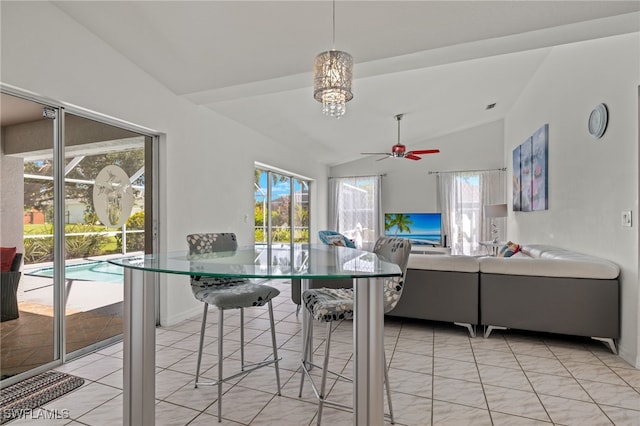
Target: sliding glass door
x=75, y=192
x=104, y=215
x=29, y=331
x=281, y=208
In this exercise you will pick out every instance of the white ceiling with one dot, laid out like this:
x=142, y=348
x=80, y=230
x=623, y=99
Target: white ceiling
x=438, y=62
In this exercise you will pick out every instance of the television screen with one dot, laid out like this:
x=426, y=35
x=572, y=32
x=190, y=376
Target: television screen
x=420, y=228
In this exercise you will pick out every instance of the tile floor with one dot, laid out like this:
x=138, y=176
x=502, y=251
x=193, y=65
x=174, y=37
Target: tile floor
x=27, y=342
x=438, y=374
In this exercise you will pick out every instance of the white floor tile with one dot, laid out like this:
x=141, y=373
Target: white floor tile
x=438, y=375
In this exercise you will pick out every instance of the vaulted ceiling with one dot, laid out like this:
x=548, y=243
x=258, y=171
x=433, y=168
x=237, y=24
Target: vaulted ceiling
x=438, y=62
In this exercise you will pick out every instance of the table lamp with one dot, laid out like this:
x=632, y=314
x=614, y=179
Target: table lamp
x=493, y=211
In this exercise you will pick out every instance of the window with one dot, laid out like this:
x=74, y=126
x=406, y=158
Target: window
x=462, y=197
x=281, y=208
x=354, y=208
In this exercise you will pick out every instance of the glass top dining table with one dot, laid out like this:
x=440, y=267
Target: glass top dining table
x=303, y=261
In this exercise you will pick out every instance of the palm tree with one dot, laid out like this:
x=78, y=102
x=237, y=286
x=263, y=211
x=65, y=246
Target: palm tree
x=400, y=221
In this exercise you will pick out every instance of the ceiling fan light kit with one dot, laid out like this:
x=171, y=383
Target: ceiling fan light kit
x=332, y=76
x=400, y=151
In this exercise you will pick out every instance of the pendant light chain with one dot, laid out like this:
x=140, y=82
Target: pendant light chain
x=334, y=24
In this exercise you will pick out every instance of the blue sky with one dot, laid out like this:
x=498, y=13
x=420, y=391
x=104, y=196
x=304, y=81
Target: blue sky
x=278, y=190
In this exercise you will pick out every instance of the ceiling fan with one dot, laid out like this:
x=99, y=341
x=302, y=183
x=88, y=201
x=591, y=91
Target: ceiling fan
x=400, y=151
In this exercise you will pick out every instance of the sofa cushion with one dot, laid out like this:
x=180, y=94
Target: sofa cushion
x=7, y=254
x=439, y=262
x=509, y=249
x=578, y=266
x=333, y=238
x=536, y=250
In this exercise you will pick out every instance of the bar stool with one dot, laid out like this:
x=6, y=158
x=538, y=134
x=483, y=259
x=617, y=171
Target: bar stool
x=336, y=304
x=225, y=294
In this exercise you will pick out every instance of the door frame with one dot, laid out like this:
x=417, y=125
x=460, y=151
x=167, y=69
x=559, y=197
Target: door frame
x=152, y=205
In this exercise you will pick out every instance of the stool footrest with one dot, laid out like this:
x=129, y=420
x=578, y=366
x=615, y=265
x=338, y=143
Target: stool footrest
x=305, y=371
x=246, y=370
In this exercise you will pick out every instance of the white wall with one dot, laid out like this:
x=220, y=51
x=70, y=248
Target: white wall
x=11, y=202
x=590, y=181
x=407, y=185
x=206, y=160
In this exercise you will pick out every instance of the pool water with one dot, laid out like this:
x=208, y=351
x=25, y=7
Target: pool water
x=90, y=271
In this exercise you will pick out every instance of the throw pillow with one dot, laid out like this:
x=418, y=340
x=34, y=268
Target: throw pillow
x=335, y=240
x=6, y=258
x=509, y=249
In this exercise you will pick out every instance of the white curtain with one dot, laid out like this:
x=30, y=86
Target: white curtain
x=355, y=208
x=462, y=197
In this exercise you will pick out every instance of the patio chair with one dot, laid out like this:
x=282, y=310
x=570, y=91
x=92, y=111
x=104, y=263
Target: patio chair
x=9, y=281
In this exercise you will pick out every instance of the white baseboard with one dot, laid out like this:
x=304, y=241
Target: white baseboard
x=628, y=356
x=175, y=319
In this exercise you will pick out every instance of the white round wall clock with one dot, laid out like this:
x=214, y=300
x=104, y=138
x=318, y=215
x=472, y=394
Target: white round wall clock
x=598, y=121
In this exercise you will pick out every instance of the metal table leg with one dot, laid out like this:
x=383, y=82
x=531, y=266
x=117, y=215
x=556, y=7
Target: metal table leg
x=308, y=357
x=139, y=349
x=368, y=346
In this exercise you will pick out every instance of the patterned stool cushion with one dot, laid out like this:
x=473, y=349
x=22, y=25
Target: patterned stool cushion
x=211, y=242
x=229, y=293
x=329, y=304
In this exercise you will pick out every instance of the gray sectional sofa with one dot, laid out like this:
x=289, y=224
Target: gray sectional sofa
x=542, y=288
x=441, y=288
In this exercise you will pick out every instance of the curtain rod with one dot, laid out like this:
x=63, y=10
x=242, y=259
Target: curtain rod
x=352, y=177
x=503, y=169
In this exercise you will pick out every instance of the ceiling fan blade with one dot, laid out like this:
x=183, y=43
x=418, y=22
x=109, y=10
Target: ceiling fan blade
x=383, y=158
x=374, y=153
x=424, y=151
x=412, y=157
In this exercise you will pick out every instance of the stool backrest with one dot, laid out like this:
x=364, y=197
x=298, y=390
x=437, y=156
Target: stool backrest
x=203, y=244
x=211, y=242
x=395, y=250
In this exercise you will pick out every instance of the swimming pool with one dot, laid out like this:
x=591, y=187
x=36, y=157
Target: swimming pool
x=89, y=271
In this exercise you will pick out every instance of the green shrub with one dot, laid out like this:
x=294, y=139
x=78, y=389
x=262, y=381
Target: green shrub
x=38, y=250
x=259, y=235
x=84, y=245
x=135, y=241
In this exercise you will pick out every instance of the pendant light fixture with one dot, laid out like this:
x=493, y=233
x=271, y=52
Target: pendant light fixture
x=332, y=75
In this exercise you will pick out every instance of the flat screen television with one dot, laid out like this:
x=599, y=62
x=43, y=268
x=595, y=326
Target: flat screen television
x=420, y=228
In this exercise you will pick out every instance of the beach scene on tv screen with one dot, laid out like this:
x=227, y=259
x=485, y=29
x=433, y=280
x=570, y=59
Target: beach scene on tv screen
x=419, y=228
